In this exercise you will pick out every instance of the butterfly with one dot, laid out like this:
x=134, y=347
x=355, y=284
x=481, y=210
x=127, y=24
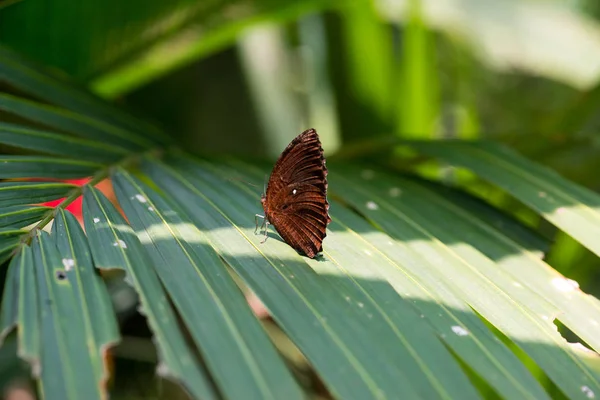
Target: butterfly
x=295, y=200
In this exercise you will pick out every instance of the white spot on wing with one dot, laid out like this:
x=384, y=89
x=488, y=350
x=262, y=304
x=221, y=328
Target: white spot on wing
x=564, y=284
x=371, y=205
x=120, y=243
x=459, y=330
x=69, y=263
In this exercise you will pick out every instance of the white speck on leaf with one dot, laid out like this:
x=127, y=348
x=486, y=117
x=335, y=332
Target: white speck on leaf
x=140, y=198
x=459, y=330
x=150, y=208
x=395, y=192
x=588, y=392
x=371, y=205
x=564, y=284
x=594, y=322
x=96, y=220
x=69, y=263
x=162, y=369
x=542, y=194
x=560, y=210
x=120, y=243
x=517, y=284
x=545, y=317
x=367, y=252
x=361, y=305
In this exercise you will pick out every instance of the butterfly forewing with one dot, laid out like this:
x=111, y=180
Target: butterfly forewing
x=296, y=199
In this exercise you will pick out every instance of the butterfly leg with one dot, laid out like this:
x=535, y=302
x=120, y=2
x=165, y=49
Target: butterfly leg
x=256, y=217
x=266, y=225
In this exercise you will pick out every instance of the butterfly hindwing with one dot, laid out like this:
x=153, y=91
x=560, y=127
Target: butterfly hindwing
x=296, y=198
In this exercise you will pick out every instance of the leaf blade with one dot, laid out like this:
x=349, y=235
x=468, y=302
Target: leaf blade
x=20, y=193
x=71, y=122
x=570, y=207
x=365, y=377
x=480, y=283
x=19, y=167
x=66, y=369
x=28, y=77
x=21, y=216
x=9, y=314
x=91, y=296
x=114, y=245
x=59, y=144
x=203, y=291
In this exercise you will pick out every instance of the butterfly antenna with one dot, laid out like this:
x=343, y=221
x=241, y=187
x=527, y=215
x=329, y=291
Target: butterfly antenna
x=241, y=180
x=265, y=185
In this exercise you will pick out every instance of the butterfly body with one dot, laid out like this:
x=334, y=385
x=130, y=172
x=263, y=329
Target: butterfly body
x=295, y=201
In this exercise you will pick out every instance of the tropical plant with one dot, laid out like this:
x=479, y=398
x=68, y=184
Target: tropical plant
x=436, y=278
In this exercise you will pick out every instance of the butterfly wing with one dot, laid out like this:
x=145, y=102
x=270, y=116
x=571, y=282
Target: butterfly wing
x=296, y=198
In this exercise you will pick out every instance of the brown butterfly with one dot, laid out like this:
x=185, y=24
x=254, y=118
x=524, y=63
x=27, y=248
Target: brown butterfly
x=295, y=201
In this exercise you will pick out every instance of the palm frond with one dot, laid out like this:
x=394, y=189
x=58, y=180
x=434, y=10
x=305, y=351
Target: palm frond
x=414, y=282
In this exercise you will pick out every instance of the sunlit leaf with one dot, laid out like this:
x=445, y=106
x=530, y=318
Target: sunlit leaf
x=521, y=314
x=114, y=245
x=316, y=292
x=567, y=205
x=235, y=347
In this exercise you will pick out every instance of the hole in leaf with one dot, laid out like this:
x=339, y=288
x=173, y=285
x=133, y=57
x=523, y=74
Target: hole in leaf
x=60, y=275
